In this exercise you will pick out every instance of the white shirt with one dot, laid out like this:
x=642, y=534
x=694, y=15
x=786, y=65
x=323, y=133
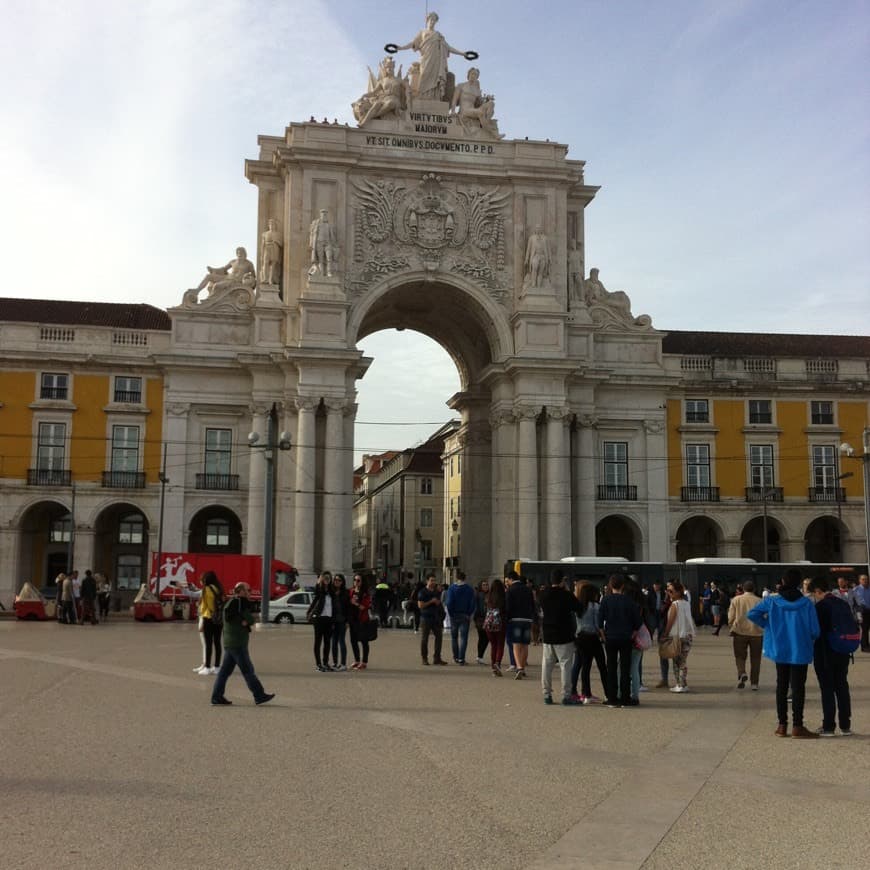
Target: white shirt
x=683, y=625
x=327, y=606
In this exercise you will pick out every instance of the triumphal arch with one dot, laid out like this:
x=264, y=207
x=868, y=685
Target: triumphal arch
x=423, y=216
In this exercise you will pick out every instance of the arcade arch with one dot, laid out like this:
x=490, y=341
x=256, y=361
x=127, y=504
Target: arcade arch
x=698, y=537
x=215, y=529
x=752, y=540
x=824, y=539
x=44, y=541
x=617, y=535
x=121, y=539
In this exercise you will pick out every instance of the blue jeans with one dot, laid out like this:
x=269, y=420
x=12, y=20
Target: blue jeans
x=459, y=636
x=240, y=657
x=339, y=629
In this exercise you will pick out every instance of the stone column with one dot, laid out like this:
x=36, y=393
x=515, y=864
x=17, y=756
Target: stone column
x=304, y=524
x=527, y=483
x=181, y=479
x=84, y=550
x=254, y=529
x=504, y=507
x=285, y=486
x=585, y=477
x=557, y=507
x=346, y=500
x=334, y=486
x=657, y=547
x=477, y=513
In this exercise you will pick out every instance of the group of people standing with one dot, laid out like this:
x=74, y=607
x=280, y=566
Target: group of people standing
x=335, y=609
x=78, y=600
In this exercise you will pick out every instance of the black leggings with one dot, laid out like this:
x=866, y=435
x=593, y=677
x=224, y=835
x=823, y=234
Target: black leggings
x=482, y=639
x=322, y=638
x=589, y=650
x=211, y=634
x=355, y=641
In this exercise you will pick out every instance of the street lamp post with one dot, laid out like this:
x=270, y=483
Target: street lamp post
x=273, y=441
x=848, y=450
x=163, y=481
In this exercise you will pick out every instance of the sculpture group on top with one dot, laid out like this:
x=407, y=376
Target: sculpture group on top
x=606, y=308
x=234, y=283
x=392, y=96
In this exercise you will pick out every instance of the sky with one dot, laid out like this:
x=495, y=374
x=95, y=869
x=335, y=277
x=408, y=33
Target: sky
x=729, y=137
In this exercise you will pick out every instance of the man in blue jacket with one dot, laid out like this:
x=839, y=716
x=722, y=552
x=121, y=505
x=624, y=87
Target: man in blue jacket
x=460, y=603
x=791, y=627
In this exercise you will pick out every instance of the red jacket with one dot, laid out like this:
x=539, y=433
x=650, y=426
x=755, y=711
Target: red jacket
x=359, y=609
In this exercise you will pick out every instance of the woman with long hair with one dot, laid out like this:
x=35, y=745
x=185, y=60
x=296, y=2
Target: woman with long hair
x=358, y=617
x=633, y=591
x=479, y=615
x=340, y=608
x=320, y=613
x=587, y=643
x=495, y=624
x=211, y=623
x=681, y=625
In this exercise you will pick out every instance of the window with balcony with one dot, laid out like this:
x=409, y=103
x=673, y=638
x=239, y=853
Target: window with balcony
x=761, y=475
x=615, y=486
x=698, y=475
x=218, y=461
x=760, y=411
x=54, y=386
x=825, y=480
x=697, y=411
x=425, y=486
x=822, y=413
x=217, y=533
x=128, y=389
x=426, y=518
x=50, y=456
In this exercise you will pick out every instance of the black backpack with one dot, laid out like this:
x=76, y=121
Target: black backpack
x=844, y=637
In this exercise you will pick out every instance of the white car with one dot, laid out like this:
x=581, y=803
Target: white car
x=292, y=607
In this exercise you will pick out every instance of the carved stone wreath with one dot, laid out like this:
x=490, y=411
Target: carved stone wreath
x=397, y=228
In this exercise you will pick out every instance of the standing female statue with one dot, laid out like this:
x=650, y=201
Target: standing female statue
x=434, y=50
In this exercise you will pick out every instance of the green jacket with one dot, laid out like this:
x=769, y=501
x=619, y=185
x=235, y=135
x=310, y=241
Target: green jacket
x=235, y=635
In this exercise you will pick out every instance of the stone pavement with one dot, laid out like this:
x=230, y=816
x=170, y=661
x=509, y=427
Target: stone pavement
x=113, y=758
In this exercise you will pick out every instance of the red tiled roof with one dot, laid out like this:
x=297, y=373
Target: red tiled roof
x=733, y=344
x=121, y=315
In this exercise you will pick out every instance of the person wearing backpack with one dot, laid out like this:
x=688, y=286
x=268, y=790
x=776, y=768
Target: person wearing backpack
x=839, y=633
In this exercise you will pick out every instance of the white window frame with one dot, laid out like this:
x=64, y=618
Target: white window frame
x=128, y=380
x=749, y=412
x=694, y=410
x=699, y=446
x=615, y=466
x=817, y=403
x=762, y=466
x=57, y=376
x=125, y=448
x=825, y=480
x=218, y=451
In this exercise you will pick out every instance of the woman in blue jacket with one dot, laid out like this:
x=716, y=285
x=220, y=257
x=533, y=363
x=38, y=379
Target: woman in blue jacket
x=791, y=627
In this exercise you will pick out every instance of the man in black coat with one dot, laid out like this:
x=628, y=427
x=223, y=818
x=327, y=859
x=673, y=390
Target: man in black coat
x=618, y=619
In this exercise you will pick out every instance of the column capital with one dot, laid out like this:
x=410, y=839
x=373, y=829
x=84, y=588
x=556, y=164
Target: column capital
x=306, y=403
x=587, y=421
x=260, y=409
x=653, y=427
x=501, y=417
x=334, y=404
x=556, y=412
x=527, y=412
x=350, y=409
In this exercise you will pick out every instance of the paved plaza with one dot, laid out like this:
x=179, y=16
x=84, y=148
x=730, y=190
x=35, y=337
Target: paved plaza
x=114, y=758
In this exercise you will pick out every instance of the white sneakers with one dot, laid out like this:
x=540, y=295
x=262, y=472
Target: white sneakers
x=679, y=689
x=203, y=671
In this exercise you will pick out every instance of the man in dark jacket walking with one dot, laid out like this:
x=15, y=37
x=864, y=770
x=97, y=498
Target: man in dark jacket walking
x=238, y=618
x=558, y=607
x=618, y=619
x=89, y=598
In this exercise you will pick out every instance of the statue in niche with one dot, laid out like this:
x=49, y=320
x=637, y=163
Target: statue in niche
x=323, y=243
x=239, y=272
x=575, y=273
x=537, y=261
x=271, y=254
x=475, y=109
x=434, y=50
x=385, y=96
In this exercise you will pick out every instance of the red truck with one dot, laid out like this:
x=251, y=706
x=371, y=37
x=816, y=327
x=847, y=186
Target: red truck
x=181, y=575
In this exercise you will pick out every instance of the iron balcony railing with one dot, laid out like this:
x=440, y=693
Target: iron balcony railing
x=217, y=481
x=124, y=479
x=48, y=477
x=763, y=493
x=617, y=492
x=827, y=494
x=133, y=397
x=52, y=392
x=699, y=493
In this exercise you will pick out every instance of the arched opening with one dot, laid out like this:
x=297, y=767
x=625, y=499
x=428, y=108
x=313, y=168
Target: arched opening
x=823, y=540
x=121, y=548
x=44, y=544
x=697, y=537
x=752, y=541
x=418, y=490
x=617, y=536
x=215, y=529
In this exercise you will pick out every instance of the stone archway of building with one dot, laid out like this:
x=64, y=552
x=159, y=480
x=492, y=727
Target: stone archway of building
x=752, y=540
x=823, y=540
x=617, y=536
x=697, y=537
x=121, y=539
x=44, y=543
x=215, y=529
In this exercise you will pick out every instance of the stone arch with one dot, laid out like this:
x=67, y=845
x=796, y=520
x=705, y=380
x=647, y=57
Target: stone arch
x=752, y=539
x=698, y=536
x=198, y=534
x=106, y=504
x=121, y=544
x=824, y=539
x=40, y=558
x=439, y=309
x=618, y=535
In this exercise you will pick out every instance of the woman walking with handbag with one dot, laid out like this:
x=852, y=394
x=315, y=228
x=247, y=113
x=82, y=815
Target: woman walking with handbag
x=358, y=618
x=494, y=624
x=681, y=627
x=321, y=614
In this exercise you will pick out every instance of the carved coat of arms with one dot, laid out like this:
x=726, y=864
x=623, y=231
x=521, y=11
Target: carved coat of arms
x=431, y=226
